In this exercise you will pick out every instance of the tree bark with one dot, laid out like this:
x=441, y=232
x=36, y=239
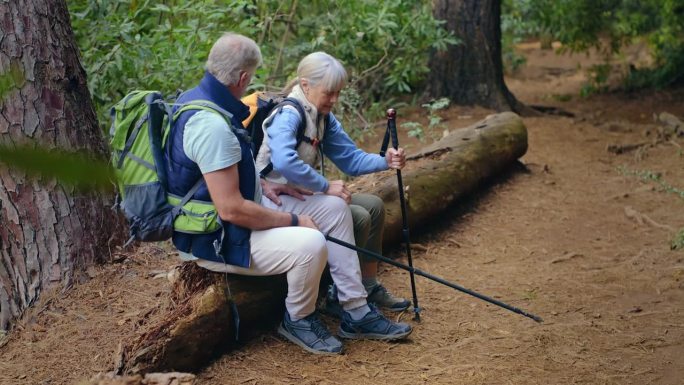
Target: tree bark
x=48, y=231
x=199, y=325
x=472, y=72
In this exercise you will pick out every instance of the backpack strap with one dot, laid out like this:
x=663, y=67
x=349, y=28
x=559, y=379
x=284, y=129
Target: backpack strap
x=300, y=137
x=207, y=105
x=186, y=198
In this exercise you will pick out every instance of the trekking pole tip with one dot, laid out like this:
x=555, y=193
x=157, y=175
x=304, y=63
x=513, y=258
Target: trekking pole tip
x=391, y=113
x=416, y=313
x=537, y=318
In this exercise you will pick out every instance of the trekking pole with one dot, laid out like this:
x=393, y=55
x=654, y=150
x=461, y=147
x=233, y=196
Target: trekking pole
x=413, y=270
x=392, y=131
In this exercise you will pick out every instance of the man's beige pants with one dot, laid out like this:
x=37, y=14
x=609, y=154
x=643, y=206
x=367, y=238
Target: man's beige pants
x=302, y=253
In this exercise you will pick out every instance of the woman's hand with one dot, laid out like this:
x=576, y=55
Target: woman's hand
x=337, y=188
x=395, y=158
x=272, y=190
x=307, y=221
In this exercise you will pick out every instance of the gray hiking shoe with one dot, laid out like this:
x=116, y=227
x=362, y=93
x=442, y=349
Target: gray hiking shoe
x=373, y=326
x=311, y=334
x=379, y=296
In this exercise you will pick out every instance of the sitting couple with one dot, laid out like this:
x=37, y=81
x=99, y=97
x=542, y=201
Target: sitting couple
x=276, y=224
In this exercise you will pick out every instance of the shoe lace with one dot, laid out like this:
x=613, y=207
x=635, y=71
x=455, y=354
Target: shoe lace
x=381, y=293
x=381, y=289
x=318, y=327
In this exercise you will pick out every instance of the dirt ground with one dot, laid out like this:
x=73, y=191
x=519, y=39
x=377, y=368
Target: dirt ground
x=581, y=238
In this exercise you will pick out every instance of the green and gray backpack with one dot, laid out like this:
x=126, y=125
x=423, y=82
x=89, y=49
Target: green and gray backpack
x=141, y=122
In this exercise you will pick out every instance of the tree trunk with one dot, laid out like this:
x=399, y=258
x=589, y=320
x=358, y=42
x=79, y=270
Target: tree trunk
x=200, y=326
x=472, y=71
x=49, y=232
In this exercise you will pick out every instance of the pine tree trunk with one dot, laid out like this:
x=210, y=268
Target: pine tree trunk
x=471, y=72
x=48, y=233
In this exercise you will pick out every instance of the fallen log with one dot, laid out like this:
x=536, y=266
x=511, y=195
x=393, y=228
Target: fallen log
x=447, y=170
x=198, y=326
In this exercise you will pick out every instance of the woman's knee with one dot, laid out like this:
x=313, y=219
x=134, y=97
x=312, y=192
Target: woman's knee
x=361, y=217
x=372, y=204
x=335, y=203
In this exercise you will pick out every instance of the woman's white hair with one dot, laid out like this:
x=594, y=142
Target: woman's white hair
x=231, y=54
x=320, y=69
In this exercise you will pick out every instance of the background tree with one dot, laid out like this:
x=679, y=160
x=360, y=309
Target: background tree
x=471, y=72
x=49, y=231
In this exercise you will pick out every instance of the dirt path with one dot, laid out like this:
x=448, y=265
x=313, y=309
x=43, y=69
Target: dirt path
x=578, y=239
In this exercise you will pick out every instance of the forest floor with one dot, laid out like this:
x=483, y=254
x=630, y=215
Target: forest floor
x=581, y=238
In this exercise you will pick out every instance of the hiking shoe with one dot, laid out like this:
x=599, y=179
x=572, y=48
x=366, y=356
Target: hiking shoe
x=379, y=296
x=373, y=326
x=311, y=334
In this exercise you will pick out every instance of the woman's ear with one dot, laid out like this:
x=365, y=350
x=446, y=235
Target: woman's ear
x=305, y=85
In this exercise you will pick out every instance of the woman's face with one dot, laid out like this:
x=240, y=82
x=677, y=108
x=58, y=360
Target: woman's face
x=322, y=98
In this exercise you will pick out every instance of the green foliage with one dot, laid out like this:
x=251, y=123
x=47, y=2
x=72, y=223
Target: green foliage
x=128, y=44
x=678, y=240
x=416, y=129
x=598, y=78
x=607, y=25
x=650, y=176
x=516, y=25
x=75, y=169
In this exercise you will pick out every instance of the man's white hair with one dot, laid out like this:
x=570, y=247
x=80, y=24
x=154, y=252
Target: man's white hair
x=231, y=54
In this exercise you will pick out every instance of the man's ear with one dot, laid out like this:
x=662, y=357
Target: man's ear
x=244, y=79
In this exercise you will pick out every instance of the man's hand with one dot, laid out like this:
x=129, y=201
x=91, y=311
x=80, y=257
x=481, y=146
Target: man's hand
x=395, y=158
x=272, y=190
x=337, y=188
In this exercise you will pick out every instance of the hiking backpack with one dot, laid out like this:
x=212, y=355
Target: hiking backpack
x=261, y=104
x=141, y=122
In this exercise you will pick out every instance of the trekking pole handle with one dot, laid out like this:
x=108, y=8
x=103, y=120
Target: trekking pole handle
x=392, y=122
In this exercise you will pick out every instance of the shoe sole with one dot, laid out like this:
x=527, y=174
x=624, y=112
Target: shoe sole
x=283, y=332
x=395, y=309
x=373, y=336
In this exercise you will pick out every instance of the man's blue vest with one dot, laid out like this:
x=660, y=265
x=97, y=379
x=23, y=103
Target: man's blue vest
x=230, y=244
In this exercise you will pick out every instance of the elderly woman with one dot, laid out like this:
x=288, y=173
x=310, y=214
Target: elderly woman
x=320, y=77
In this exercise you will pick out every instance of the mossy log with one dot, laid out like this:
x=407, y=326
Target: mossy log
x=439, y=174
x=199, y=325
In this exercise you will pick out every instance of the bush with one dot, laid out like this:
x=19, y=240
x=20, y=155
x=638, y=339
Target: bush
x=608, y=25
x=128, y=44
